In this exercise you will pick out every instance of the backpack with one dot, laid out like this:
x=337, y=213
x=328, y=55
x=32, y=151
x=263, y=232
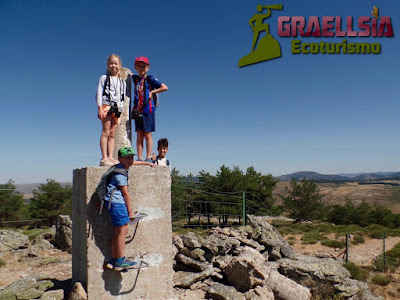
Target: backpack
x=101, y=188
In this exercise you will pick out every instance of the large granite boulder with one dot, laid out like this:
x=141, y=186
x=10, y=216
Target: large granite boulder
x=285, y=288
x=12, y=240
x=244, y=274
x=31, y=287
x=324, y=276
x=268, y=236
x=63, y=238
x=195, y=265
x=308, y=267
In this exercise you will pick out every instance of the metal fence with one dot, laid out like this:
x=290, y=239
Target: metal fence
x=35, y=223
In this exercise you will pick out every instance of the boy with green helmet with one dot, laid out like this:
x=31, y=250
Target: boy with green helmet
x=118, y=203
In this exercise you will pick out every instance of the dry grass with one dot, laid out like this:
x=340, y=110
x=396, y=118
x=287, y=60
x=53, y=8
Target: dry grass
x=338, y=193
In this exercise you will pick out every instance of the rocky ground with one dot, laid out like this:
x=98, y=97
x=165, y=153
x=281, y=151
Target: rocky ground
x=53, y=263
x=361, y=254
x=43, y=259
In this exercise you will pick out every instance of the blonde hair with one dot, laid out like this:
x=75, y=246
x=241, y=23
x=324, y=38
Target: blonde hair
x=120, y=63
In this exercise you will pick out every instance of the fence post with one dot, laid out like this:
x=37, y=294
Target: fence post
x=244, y=208
x=347, y=248
x=384, y=255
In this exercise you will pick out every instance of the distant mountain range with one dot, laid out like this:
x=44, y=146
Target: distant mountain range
x=340, y=177
x=28, y=188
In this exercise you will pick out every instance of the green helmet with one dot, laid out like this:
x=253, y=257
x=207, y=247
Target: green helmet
x=125, y=151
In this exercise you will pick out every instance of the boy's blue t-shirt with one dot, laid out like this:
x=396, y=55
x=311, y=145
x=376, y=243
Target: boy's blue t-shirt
x=152, y=83
x=116, y=181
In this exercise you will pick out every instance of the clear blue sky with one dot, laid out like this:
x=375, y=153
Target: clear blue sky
x=326, y=113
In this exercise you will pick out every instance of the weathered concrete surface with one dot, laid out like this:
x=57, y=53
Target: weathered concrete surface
x=150, y=190
x=122, y=136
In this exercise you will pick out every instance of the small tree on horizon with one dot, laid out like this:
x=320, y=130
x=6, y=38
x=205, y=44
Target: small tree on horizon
x=11, y=202
x=50, y=200
x=303, y=200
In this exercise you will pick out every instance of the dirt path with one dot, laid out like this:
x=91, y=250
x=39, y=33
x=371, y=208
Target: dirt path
x=53, y=263
x=361, y=254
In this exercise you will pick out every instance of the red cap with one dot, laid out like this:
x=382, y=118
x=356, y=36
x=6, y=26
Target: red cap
x=142, y=59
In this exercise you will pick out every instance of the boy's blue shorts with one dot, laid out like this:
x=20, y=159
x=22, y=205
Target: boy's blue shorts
x=118, y=212
x=149, y=123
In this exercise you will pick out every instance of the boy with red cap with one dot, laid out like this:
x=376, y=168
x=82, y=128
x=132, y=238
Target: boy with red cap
x=144, y=105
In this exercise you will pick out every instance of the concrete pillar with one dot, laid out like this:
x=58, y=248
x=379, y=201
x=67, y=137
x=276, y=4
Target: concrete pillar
x=123, y=136
x=150, y=189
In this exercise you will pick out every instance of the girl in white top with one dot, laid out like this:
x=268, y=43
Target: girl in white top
x=110, y=102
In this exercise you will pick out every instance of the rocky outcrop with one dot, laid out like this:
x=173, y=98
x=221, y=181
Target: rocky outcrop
x=31, y=287
x=257, y=263
x=12, y=240
x=268, y=235
x=63, y=238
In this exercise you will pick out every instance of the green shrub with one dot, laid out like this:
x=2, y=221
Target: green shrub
x=291, y=237
x=381, y=280
x=280, y=223
x=32, y=233
x=357, y=239
x=309, y=242
x=316, y=236
x=392, y=259
x=334, y=243
x=391, y=263
x=357, y=273
x=326, y=227
x=343, y=229
x=376, y=234
x=395, y=251
x=394, y=232
x=286, y=230
x=291, y=242
x=2, y=263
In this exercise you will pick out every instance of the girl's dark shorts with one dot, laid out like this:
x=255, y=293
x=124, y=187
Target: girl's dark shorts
x=148, y=124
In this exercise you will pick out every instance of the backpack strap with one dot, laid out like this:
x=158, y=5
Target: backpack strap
x=107, y=82
x=129, y=86
x=145, y=102
x=110, y=172
x=167, y=162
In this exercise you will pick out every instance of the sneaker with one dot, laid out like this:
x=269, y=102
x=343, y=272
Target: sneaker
x=148, y=160
x=123, y=265
x=139, y=159
x=105, y=162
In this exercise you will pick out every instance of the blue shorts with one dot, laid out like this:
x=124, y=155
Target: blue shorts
x=118, y=212
x=148, y=124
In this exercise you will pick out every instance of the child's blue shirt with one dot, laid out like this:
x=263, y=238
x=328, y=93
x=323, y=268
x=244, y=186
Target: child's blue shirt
x=152, y=83
x=116, y=181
